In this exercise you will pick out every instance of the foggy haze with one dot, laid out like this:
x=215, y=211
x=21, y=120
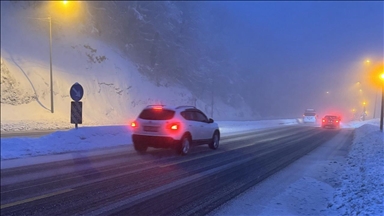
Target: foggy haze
x=279, y=58
x=297, y=51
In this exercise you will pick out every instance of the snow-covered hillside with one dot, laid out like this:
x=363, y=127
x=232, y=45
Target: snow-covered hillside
x=115, y=91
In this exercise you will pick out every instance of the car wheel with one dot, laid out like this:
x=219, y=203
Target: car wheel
x=185, y=145
x=140, y=148
x=214, y=144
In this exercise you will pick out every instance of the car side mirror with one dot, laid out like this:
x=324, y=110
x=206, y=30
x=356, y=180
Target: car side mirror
x=210, y=120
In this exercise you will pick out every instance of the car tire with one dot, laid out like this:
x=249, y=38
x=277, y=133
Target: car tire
x=214, y=144
x=140, y=148
x=184, y=145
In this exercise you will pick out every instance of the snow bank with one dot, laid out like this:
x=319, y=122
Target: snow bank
x=84, y=138
x=362, y=180
x=357, y=124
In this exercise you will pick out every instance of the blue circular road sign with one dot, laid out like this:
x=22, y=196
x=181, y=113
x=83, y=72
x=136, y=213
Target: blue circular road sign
x=76, y=92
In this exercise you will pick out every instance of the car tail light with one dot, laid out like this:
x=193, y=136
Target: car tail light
x=337, y=121
x=134, y=124
x=174, y=126
x=323, y=120
x=158, y=107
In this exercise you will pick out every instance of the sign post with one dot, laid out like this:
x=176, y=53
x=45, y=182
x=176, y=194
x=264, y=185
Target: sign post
x=76, y=93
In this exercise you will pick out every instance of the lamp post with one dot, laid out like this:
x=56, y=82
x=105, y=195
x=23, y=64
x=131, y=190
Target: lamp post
x=368, y=62
x=50, y=56
x=49, y=18
x=382, y=101
x=50, y=60
x=364, y=112
x=354, y=114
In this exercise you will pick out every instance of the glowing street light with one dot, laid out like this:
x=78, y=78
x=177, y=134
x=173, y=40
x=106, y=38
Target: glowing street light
x=65, y=2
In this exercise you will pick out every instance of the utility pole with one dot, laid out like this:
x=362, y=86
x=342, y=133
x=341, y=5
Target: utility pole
x=374, y=108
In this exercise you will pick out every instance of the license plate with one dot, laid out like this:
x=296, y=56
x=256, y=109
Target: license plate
x=151, y=128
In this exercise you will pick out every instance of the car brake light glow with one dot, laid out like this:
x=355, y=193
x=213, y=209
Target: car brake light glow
x=174, y=126
x=133, y=124
x=323, y=120
x=157, y=107
x=337, y=121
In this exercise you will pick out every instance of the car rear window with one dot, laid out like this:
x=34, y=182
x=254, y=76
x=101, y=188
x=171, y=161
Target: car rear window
x=309, y=114
x=331, y=117
x=157, y=114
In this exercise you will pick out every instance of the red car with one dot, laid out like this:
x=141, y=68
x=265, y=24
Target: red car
x=331, y=121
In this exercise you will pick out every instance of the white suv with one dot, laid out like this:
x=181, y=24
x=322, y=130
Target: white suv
x=179, y=128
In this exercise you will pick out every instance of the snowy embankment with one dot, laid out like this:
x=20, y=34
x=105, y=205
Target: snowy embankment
x=362, y=187
x=114, y=89
x=88, y=138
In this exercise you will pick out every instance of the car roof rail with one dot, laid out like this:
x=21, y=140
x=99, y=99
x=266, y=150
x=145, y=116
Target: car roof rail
x=186, y=106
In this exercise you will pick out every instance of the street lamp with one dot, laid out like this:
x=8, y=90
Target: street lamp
x=49, y=18
x=50, y=56
x=354, y=117
x=364, y=112
x=382, y=101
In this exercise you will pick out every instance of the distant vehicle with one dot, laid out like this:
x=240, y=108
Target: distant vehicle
x=173, y=127
x=331, y=121
x=310, y=116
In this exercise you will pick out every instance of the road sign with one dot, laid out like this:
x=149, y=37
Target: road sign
x=76, y=92
x=76, y=112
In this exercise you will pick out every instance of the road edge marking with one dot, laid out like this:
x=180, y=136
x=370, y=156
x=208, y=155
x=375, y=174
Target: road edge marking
x=35, y=198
